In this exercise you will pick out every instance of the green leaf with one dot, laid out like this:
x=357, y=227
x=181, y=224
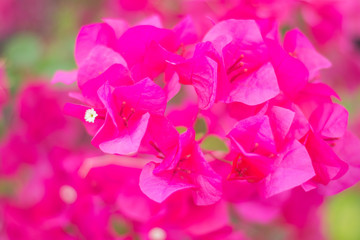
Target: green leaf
x=200, y=126
x=214, y=143
x=181, y=129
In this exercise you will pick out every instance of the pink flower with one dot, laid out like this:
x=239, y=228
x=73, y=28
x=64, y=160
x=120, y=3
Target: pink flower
x=122, y=120
x=244, y=65
x=184, y=169
x=329, y=123
x=225, y=67
x=297, y=45
x=277, y=166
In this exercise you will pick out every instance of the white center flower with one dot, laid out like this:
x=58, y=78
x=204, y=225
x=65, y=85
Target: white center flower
x=90, y=115
x=68, y=194
x=157, y=234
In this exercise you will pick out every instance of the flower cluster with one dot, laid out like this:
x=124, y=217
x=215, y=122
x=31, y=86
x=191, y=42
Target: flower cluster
x=233, y=116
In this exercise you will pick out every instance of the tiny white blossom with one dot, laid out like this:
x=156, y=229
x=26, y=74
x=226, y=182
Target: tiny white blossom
x=90, y=115
x=157, y=234
x=68, y=194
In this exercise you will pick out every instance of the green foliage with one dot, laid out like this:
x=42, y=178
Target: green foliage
x=181, y=129
x=343, y=216
x=214, y=143
x=24, y=50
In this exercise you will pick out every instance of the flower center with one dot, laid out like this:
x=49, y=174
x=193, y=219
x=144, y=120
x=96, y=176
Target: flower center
x=90, y=115
x=130, y=112
x=237, y=69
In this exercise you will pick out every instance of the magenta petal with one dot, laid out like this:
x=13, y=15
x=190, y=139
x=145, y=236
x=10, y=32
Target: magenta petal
x=226, y=31
x=293, y=167
x=186, y=116
x=106, y=132
x=134, y=42
x=115, y=75
x=320, y=89
x=281, y=120
x=154, y=61
x=186, y=31
x=292, y=74
x=291, y=81
x=300, y=126
x=167, y=141
x=183, y=168
x=159, y=187
x=330, y=120
x=254, y=133
x=209, y=190
x=209, y=184
x=99, y=59
x=105, y=95
x=201, y=72
x=145, y=96
x=126, y=141
x=327, y=165
x=172, y=86
x=258, y=87
x=348, y=149
x=91, y=36
x=295, y=42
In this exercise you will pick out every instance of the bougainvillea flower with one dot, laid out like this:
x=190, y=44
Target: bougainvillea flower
x=123, y=118
x=292, y=167
x=281, y=120
x=261, y=130
x=104, y=34
x=329, y=123
x=347, y=148
x=327, y=164
x=247, y=75
x=120, y=186
x=185, y=169
x=201, y=72
x=312, y=96
x=290, y=82
x=133, y=48
x=258, y=159
x=98, y=61
x=329, y=120
x=298, y=46
x=254, y=133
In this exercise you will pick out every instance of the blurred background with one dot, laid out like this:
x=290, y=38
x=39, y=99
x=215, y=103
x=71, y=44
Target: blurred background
x=37, y=38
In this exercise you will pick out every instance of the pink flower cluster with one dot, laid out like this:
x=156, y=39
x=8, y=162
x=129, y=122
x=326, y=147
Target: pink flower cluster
x=191, y=125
